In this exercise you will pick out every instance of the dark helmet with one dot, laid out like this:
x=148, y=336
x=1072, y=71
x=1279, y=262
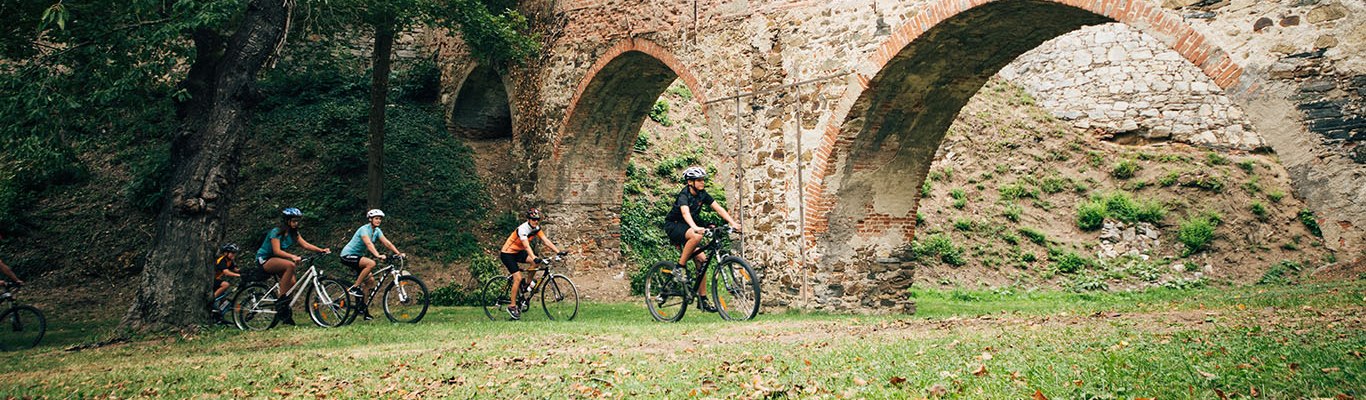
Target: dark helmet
x=229, y=248
x=291, y=212
x=533, y=213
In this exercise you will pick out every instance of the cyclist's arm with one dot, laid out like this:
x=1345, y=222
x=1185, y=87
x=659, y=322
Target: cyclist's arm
x=526, y=242
x=370, y=245
x=725, y=215
x=275, y=249
x=228, y=272
x=687, y=216
x=548, y=242
x=310, y=247
x=390, y=245
x=9, y=274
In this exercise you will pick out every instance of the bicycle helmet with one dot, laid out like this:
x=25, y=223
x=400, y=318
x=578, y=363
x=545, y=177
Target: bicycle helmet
x=374, y=213
x=292, y=212
x=229, y=248
x=694, y=173
x=533, y=213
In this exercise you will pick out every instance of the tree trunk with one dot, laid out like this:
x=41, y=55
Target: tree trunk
x=173, y=294
x=379, y=98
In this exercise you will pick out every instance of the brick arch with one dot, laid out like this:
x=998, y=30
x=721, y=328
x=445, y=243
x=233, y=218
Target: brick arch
x=838, y=139
x=482, y=98
x=622, y=47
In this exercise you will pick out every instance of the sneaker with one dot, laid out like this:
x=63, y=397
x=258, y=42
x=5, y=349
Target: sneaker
x=704, y=305
x=680, y=274
x=516, y=315
x=367, y=317
x=355, y=291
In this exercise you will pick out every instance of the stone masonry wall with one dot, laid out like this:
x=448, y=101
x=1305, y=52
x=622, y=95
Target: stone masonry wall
x=777, y=81
x=1118, y=80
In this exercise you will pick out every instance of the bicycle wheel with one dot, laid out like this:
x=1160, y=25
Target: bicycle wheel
x=253, y=307
x=406, y=300
x=665, y=296
x=559, y=298
x=494, y=297
x=21, y=327
x=328, y=303
x=735, y=289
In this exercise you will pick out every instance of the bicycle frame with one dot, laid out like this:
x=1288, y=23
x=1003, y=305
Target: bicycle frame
x=713, y=250
x=390, y=272
x=309, y=279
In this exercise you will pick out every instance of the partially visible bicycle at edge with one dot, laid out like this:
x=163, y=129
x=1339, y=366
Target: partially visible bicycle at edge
x=21, y=326
x=734, y=286
x=558, y=295
x=405, y=298
x=253, y=307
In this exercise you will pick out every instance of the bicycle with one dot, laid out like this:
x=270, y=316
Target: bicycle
x=253, y=307
x=220, y=307
x=666, y=287
x=21, y=326
x=559, y=296
x=405, y=297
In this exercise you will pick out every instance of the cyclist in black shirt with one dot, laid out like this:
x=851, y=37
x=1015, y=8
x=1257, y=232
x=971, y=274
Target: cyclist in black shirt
x=682, y=223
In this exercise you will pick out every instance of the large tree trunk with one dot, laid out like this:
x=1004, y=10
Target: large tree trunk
x=379, y=98
x=173, y=294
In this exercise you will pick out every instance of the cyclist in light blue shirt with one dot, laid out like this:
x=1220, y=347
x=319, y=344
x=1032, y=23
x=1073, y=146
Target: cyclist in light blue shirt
x=357, y=254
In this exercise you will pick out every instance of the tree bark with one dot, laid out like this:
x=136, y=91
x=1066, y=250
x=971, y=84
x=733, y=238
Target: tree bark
x=173, y=294
x=379, y=98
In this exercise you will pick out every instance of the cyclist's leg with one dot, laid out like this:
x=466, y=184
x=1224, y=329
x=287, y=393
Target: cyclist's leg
x=691, y=245
x=284, y=269
x=510, y=261
x=222, y=287
x=363, y=278
x=700, y=262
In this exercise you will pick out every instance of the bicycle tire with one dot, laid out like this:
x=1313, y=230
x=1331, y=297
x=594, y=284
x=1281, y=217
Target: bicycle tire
x=253, y=307
x=739, y=301
x=560, y=294
x=21, y=328
x=494, y=296
x=328, y=303
x=661, y=289
x=406, y=300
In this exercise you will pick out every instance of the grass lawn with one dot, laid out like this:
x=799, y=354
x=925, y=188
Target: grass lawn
x=1265, y=342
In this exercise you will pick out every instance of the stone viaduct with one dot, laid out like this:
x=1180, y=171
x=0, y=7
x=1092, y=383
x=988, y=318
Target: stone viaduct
x=828, y=113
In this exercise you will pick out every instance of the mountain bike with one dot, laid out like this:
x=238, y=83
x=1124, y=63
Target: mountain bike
x=21, y=326
x=253, y=307
x=559, y=296
x=405, y=296
x=669, y=288
x=220, y=307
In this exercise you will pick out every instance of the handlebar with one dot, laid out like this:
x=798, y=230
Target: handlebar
x=558, y=257
x=726, y=229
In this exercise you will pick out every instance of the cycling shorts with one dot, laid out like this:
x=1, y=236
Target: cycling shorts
x=510, y=260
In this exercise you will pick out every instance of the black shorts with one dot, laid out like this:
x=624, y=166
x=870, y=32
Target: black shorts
x=677, y=231
x=352, y=261
x=217, y=283
x=510, y=260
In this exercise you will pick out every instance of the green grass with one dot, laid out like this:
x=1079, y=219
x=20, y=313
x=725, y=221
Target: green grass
x=1157, y=343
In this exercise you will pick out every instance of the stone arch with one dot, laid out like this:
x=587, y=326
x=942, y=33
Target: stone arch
x=877, y=147
x=587, y=167
x=482, y=107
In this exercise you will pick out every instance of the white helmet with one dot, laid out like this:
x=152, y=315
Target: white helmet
x=374, y=213
x=694, y=173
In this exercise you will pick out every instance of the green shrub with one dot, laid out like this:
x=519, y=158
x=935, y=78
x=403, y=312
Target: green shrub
x=1213, y=158
x=1012, y=212
x=1247, y=165
x=1087, y=283
x=1259, y=210
x=1207, y=182
x=1124, y=169
x=642, y=141
x=1118, y=205
x=1306, y=217
x=1068, y=262
x=964, y=224
x=1252, y=186
x=1169, y=179
x=1197, y=232
x=681, y=90
x=937, y=245
x=1275, y=196
x=1280, y=273
x=1016, y=190
x=1054, y=184
x=957, y=194
x=1090, y=215
x=660, y=113
x=925, y=189
x=1034, y=235
x=1028, y=257
x=960, y=203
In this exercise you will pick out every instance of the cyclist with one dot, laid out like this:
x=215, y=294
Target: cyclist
x=4, y=269
x=517, y=249
x=682, y=223
x=275, y=261
x=225, y=266
x=355, y=252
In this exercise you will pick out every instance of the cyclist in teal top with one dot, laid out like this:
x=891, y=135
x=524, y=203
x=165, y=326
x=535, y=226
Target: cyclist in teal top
x=275, y=261
x=362, y=244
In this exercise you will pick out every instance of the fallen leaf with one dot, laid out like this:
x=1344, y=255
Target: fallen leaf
x=938, y=390
x=1253, y=391
x=896, y=381
x=1330, y=370
x=1207, y=375
x=808, y=362
x=981, y=370
x=860, y=381
x=1221, y=394
x=986, y=356
x=1038, y=395
x=1294, y=366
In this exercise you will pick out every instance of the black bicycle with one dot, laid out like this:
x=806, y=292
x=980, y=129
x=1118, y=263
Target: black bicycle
x=21, y=326
x=405, y=298
x=669, y=288
x=559, y=296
